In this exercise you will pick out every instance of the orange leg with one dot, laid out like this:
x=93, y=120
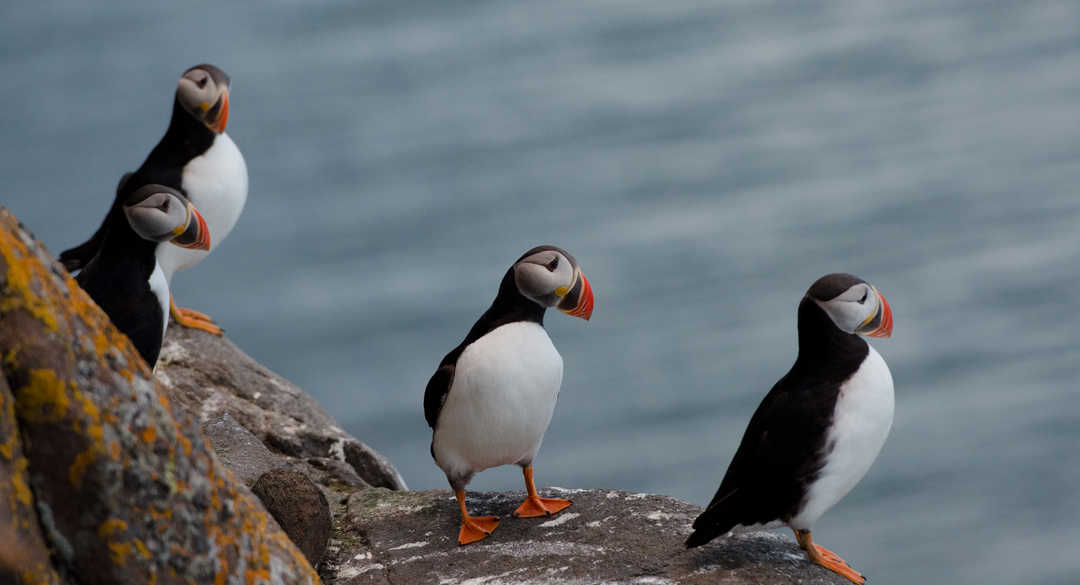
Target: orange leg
x=473, y=528
x=193, y=319
x=535, y=506
x=820, y=555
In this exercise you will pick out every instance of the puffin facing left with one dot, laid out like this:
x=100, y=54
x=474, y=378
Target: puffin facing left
x=124, y=277
x=492, y=397
x=197, y=158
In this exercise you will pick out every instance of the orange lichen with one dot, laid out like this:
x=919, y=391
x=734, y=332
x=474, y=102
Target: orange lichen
x=43, y=399
x=18, y=482
x=110, y=527
x=148, y=435
x=78, y=467
x=185, y=443
x=119, y=551
x=23, y=272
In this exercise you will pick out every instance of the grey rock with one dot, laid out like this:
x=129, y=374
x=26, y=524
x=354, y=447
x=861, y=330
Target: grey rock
x=372, y=466
x=299, y=507
x=238, y=449
x=208, y=377
x=606, y=536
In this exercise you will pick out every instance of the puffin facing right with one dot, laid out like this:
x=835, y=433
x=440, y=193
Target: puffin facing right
x=492, y=397
x=819, y=429
x=125, y=279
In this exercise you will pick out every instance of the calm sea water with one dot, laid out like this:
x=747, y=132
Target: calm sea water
x=704, y=161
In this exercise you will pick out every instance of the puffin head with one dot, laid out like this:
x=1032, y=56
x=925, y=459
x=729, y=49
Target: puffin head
x=550, y=276
x=203, y=91
x=159, y=214
x=853, y=304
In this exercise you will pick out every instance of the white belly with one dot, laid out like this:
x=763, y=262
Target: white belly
x=501, y=400
x=160, y=287
x=863, y=417
x=217, y=185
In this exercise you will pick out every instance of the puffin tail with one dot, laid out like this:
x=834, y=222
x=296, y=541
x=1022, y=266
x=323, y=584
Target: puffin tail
x=714, y=521
x=78, y=257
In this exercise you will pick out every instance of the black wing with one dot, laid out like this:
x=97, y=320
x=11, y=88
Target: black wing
x=78, y=257
x=779, y=456
x=438, y=387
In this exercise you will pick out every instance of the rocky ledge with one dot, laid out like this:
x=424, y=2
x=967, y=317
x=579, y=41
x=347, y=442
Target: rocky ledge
x=216, y=470
x=606, y=536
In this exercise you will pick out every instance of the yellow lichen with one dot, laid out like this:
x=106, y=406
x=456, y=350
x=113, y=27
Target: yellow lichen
x=110, y=527
x=43, y=399
x=141, y=548
x=119, y=551
x=77, y=469
x=18, y=482
x=23, y=271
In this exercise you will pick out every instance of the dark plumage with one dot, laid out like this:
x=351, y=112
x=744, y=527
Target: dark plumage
x=782, y=449
x=185, y=139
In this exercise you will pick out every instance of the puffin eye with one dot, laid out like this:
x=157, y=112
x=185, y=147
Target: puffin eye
x=164, y=205
x=863, y=299
x=551, y=266
x=202, y=82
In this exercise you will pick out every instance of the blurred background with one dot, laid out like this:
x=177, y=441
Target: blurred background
x=704, y=161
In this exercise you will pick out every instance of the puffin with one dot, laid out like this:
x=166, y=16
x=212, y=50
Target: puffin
x=816, y=433
x=490, y=401
x=125, y=278
x=197, y=158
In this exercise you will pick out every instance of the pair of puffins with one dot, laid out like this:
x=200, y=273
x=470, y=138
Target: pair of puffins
x=812, y=438
x=168, y=215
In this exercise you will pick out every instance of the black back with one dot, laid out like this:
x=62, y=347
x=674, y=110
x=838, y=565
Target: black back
x=783, y=449
x=509, y=306
x=185, y=139
x=118, y=279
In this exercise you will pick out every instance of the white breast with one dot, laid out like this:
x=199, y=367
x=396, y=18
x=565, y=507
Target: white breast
x=862, y=419
x=159, y=285
x=501, y=400
x=217, y=184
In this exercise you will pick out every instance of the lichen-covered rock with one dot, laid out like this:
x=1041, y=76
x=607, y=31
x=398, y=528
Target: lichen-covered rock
x=604, y=537
x=208, y=376
x=299, y=507
x=24, y=556
x=126, y=488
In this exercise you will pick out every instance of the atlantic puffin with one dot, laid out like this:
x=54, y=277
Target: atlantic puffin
x=491, y=398
x=197, y=158
x=125, y=278
x=819, y=429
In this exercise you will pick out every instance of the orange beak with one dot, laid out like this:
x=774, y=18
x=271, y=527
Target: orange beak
x=884, y=328
x=222, y=119
x=579, y=301
x=197, y=235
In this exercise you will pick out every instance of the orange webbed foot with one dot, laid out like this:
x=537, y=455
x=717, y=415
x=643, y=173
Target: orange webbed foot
x=834, y=563
x=193, y=319
x=475, y=528
x=820, y=555
x=535, y=507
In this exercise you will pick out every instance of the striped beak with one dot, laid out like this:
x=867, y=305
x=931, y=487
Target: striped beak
x=578, y=302
x=217, y=117
x=194, y=234
x=881, y=323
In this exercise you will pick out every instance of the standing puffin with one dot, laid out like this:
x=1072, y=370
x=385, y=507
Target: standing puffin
x=125, y=278
x=819, y=429
x=492, y=397
x=197, y=158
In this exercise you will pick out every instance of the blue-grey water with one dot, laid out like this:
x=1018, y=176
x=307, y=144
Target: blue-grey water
x=704, y=161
